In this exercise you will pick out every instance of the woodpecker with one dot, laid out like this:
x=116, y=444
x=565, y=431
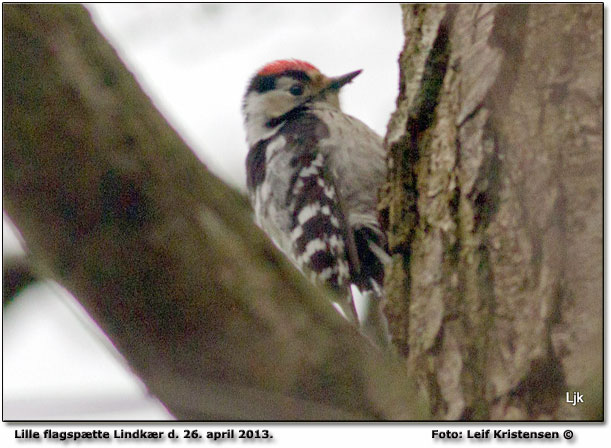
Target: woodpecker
x=313, y=175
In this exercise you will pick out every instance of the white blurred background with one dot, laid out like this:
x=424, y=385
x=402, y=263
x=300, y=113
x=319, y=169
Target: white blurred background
x=194, y=61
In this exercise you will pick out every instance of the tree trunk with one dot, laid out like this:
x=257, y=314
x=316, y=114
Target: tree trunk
x=162, y=255
x=494, y=209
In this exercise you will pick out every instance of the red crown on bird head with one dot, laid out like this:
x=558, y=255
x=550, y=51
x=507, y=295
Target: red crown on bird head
x=281, y=66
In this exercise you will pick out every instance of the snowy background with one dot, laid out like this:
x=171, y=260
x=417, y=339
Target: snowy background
x=194, y=61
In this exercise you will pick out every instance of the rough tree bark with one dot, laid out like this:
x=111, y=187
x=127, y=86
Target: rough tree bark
x=494, y=209
x=162, y=255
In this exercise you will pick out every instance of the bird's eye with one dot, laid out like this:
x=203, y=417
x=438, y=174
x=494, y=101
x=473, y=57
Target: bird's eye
x=296, y=90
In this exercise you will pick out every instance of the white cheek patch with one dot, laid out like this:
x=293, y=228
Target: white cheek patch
x=259, y=108
x=278, y=103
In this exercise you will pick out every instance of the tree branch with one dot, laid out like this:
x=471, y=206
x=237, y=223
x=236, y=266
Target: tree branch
x=17, y=274
x=161, y=254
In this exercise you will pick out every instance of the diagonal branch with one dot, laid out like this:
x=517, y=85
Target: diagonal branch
x=162, y=255
x=16, y=275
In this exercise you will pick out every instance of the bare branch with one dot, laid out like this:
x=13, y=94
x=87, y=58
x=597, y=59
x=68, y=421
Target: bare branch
x=162, y=255
x=17, y=274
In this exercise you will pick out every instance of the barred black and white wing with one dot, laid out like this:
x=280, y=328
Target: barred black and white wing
x=318, y=231
x=321, y=239
x=297, y=188
x=296, y=203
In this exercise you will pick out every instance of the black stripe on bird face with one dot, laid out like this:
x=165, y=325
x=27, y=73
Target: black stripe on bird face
x=262, y=84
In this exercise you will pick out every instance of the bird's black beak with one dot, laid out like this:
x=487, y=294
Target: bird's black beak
x=340, y=81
